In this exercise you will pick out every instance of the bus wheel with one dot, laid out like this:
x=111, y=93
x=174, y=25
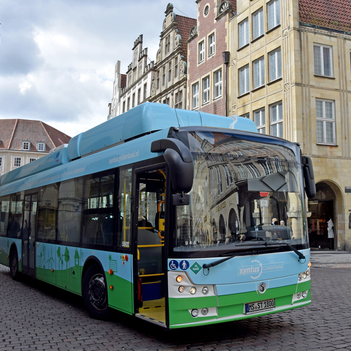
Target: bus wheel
x=14, y=265
x=95, y=293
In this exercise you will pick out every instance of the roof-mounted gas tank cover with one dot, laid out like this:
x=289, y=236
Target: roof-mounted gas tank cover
x=309, y=177
x=179, y=161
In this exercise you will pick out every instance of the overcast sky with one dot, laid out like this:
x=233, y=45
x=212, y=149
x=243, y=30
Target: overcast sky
x=57, y=57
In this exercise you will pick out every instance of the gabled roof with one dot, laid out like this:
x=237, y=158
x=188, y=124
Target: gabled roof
x=14, y=131
x=332, y=14
x=184, y=25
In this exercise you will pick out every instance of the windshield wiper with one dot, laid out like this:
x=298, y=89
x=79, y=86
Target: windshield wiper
x=254, y=246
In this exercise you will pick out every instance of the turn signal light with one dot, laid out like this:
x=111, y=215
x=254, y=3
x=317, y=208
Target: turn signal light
x=110, y=271
x=52, y=269
x=111, y=287
x=179, y=279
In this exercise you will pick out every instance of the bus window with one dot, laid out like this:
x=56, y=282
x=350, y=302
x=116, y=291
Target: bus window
x=98, y=213
x=47, y=213
x=124, y=198
x=15, y=217
x=70, y=210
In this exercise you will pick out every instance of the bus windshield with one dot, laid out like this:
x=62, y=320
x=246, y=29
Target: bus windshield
x=244, y=191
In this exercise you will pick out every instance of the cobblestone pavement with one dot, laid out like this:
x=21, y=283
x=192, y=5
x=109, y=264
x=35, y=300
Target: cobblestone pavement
x=36, y=316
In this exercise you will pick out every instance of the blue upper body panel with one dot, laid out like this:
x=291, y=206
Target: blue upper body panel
x=121, y=136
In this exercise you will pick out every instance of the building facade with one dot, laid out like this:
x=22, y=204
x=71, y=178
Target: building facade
x=208, y=57
x=23, y=141
x=290, y=73
x=133, y=88
x=170, y=79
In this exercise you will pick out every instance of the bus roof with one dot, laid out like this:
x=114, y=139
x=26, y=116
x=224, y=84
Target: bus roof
x=141, y=120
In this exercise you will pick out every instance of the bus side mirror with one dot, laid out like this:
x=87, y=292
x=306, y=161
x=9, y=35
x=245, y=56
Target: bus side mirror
x=309, y=177
x=180, y=162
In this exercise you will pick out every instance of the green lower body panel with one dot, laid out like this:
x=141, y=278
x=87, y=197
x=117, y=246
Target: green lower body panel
x=232, y=307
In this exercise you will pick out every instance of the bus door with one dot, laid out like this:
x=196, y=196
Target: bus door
x=28, y=237
x=149, y=272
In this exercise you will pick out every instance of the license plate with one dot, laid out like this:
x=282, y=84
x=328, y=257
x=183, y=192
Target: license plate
x=259, y=306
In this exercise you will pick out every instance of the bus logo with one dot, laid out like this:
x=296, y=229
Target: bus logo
x=173, y=265
x=257, y=268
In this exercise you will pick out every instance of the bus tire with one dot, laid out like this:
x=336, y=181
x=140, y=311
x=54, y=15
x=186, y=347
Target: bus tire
x=94, y=292
x=14, y=265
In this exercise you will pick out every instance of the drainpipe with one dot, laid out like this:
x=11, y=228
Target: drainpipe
x=226, y=62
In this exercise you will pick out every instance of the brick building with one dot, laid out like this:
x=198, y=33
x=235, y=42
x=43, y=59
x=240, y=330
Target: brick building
x=207, y=63
x=170, y=79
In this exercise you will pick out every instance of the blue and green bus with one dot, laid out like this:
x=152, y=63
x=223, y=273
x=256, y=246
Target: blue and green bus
x=177, y=217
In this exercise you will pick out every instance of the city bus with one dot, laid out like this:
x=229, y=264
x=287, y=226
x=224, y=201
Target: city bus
x=180, y=218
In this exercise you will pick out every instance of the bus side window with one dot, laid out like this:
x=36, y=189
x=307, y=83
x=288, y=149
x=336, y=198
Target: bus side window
x=70, y=210
x=47, y=213
x=98, y=213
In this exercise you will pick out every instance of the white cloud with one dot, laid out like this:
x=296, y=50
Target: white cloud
x=57, y=58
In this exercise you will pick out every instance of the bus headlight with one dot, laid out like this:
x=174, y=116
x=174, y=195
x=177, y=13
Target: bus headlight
x=179, y=279
x=205, y=290
x=181, y=289
x=195, y=312
x=204, y=311
x=193, y=290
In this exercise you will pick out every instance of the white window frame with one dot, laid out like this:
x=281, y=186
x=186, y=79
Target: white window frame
x=211, y=44
x=275, y=64
x=324, y=121
x=258, y=72
x=195, y=95
x=201, y=51
x=178, y=102
x=218, y=84
x=17, y=162
x=206, y=90
x=25, y=145
x=257, y=24
x=244, y=80
x=260, y=120
x=276, y=119
x=243, y=33
x=273, y=13
x=41, y=146
x=321, y=60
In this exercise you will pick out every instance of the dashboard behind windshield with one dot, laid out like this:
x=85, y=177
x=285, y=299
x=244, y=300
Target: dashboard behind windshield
x=244, y=191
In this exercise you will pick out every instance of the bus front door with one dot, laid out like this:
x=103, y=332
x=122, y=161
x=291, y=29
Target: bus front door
x=28, y=238
x=149, y=272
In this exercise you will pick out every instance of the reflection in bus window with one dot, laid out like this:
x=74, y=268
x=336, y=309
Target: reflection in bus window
x=124, y=198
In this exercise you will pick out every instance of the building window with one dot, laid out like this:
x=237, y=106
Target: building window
x=128, y=104
x=258, y=72
x=25, y=145
x=218, y=84
x=196, y=95
x=0, y=161
x=211, y=45
x=206, y=90
x=273, y=14
x=32, y=160
x=325, y=115
x=158, y=80
x=170, y=71
x=323, y=61
x=276, y=117
x=176, y=67
x=244, y=80
x=275, y=65
x=201, y=51
x=178, y=100
x=246, y=115
x=260, y=120
x=243, y=33
x=163, y=75
x=17, y=162
x=41, y=146
x=124, y=107
x=133, y=100
x=167, y=44
x=257, y=24
x=145, y=91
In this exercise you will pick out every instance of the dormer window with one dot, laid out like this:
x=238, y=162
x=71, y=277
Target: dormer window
x=41, y=146
x=25, y=145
